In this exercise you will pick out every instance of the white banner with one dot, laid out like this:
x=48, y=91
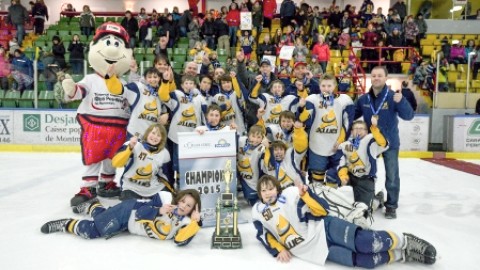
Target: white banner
x=58, y=127
x=466, y=134
x=203, y=161
x=286, y=52
x=245, y=21
x=414, y=134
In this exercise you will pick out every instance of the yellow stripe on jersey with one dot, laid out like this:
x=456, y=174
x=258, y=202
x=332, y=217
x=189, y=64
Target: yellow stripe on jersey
x=342, y=136
x=187, y=232
x=273, y=243
x=236, y=87
x=255, y=90
x=378, y=136
x=121, y=158
x=158, y=228
x=114, y=85
x=394, y=241
x=164, y=92
x=300, y=140
x=303, y=117
x=315, y=207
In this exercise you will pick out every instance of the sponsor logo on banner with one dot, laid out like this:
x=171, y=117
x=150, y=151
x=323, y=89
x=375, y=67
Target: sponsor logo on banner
x=474, y=129
x=31, y=122
x=6, y=128
x=222, y=143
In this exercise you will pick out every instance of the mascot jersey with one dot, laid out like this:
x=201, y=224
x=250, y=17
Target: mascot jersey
x=328, y=120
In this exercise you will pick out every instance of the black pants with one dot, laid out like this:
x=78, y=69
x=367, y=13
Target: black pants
x=39, y=26
x=363, y=189
x=267, y=22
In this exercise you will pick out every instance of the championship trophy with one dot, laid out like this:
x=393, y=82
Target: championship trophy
x=226, y=235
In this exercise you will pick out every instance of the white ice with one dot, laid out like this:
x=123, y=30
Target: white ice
x=439, y=204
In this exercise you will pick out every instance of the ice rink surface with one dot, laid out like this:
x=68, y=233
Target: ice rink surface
x=439, y=204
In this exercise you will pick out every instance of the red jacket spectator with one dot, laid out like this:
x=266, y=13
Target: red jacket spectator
x=369, y=39
x=193, y=6
x=269, y=8
x=233, y=17
x=322, y=51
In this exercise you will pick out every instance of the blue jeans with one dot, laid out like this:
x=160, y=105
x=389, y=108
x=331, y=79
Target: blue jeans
x=392, y=177
x=133, y=42
x=183, y=31
x=232, y=33
x=20, y=33
x=210, y=42
x=77, y=66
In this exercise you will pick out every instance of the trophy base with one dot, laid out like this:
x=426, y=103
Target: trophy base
x=226, y=242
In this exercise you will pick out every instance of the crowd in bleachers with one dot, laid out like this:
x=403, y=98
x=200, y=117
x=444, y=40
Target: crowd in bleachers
x=328, y=40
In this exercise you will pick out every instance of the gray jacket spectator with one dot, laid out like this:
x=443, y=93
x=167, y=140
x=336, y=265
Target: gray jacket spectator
x=18, y=15
x=401, y=8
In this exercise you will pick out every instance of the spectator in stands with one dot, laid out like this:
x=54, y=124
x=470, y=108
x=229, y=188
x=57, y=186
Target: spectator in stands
x=457, y=53
x=169, y=28
x=476, y=62
x=269, y=10
x=277, y=38
x=222, y=32
x=336, y=17
x=131, y=26
x=207, y=30
x=40, y=15
x=58, y=50
x=379, y=54
x=22, y=71
x=345, y=22
x=393, y=21
x=315, y=67
x=4, y=69
x=257, y=20
x=369, y=39
x=183, y=22
x=411, y=32
x=87, y=21
x=443, y=74
x=287, y=12
x=13, y=45
x=422, y=27
x=344, y=40
x=50, y=70
x=478, y=16
x=70, y=8
x=265, y=48
x=77, y=55
x=301, y=51
x=233, y=21
x=58, y=91
x=409, y=95
x=194, y=32
x=17, y=16
x=332, y=39
x=469, y=47
x=322, y=51
x=176, y=14
x=323, y=29
x=247, y=42
x=142, y=15
x=145, y=32
x=395, y=40
x=401, y=8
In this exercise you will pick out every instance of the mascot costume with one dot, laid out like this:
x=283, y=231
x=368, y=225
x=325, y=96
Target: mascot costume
x=104, y=111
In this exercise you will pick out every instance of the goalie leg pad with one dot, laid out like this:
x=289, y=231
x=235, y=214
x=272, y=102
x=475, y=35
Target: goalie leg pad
x=340, y=232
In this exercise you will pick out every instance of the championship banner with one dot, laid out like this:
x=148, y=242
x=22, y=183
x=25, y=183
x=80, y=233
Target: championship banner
x=204, y=160
x=245, y=21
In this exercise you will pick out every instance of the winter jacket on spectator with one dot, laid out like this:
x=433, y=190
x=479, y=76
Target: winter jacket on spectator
x=457, y=51
x=17, y=14
x=221, y=28
x=131, y=26
x=369, y=39
x=287, y=9
x=269, y=8
x=76, y=50
x=87, y=19
x=411, y=30
x=233, y=17
x=23, y=64
x=322, y=51
x=185, y=19
x=208, y=28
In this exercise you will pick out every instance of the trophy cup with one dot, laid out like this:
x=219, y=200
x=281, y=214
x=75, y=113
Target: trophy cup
x=226, y=235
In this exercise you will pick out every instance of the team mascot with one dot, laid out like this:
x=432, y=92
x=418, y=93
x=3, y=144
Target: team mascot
x=104, y=110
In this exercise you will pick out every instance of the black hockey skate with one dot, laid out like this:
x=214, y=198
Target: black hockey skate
x=419, y=250
x=380, y=198
x=108, y=189
x=85, y=194
x=55, y=226
x=84, y=207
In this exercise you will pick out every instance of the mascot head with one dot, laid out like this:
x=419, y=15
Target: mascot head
x=110, y=47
